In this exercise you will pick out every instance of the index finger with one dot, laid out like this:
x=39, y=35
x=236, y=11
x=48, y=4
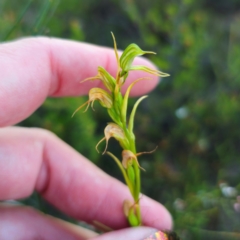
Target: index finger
x=37, y=159
x=34, y=68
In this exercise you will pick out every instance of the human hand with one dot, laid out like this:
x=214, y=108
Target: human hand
x=35, y=159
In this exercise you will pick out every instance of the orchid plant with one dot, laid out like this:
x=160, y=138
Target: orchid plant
x=121, y=127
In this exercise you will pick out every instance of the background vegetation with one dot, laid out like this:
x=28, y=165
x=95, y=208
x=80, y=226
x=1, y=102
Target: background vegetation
x=193, y=116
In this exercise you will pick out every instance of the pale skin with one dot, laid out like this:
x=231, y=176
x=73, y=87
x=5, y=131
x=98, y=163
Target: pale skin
x=35, y=159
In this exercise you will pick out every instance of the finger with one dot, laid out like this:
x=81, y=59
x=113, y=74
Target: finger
x=138, y=233
x=18, y=222
x=34, y=68
x=67, y=180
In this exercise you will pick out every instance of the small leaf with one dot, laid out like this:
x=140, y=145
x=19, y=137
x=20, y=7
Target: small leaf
x=132, y=115
x=126, y=96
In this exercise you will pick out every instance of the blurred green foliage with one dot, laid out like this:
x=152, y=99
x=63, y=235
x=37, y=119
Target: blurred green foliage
x=193, y=116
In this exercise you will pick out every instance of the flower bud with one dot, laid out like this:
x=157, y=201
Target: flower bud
x=130, y=211
x=132, y=218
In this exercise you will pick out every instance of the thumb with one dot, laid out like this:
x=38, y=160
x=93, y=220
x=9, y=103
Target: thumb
x=136, y=233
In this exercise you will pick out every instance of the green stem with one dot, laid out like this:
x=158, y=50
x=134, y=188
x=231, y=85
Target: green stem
x=131, y=139
x=137, y=191
x=132, y=142
x=137, y=181
x=138, y=214
x=123, y=172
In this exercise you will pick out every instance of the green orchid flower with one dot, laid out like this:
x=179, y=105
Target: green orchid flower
x=121, y=127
